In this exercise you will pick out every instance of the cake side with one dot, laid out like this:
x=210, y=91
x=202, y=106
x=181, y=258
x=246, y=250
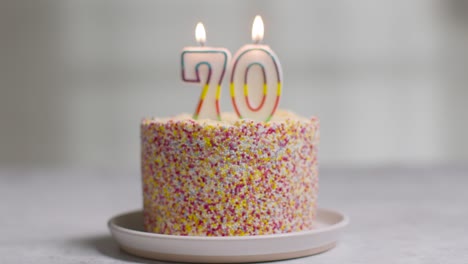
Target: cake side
x=232, y=177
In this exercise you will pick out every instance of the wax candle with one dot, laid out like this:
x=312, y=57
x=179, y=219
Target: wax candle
x=206, y=66
x=256, y=78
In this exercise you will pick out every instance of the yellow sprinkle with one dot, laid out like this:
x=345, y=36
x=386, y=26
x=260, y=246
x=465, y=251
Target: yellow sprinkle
x=208, y=142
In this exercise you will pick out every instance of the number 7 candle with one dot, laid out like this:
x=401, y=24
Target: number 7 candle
x=206, y=66
x=257, y=64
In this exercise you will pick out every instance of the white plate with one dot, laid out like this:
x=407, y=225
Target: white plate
x=128, y=231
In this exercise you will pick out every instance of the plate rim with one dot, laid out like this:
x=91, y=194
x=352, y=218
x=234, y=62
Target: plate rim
x=341, y=224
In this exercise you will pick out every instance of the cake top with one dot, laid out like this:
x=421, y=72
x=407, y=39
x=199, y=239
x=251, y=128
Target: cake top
x=231, y=119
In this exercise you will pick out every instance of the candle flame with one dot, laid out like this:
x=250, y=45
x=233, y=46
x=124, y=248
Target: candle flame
x=257, y=29
x=200, y=34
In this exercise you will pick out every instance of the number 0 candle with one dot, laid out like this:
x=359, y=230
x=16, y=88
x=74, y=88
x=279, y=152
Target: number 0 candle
x=205, y=66
x=256, y=78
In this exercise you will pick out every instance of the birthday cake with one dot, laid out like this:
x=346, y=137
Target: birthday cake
x=229, y=178
x=252, y=172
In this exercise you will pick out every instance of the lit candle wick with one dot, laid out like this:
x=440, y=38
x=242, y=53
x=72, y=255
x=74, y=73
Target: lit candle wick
x=257, y=30
x=200, y=34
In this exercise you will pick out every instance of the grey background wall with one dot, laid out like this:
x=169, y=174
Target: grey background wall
x=387, y=78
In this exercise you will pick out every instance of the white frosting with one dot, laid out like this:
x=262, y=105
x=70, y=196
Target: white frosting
x=230, y=118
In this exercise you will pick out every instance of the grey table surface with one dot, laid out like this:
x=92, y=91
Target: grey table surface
x=398, y=215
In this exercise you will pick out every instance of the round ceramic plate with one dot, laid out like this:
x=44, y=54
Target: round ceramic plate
x=128, y=231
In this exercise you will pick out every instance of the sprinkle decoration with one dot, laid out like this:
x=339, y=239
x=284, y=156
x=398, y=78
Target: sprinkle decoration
x=229, y=179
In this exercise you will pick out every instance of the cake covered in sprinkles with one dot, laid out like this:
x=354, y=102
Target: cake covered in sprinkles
x=229, y=178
